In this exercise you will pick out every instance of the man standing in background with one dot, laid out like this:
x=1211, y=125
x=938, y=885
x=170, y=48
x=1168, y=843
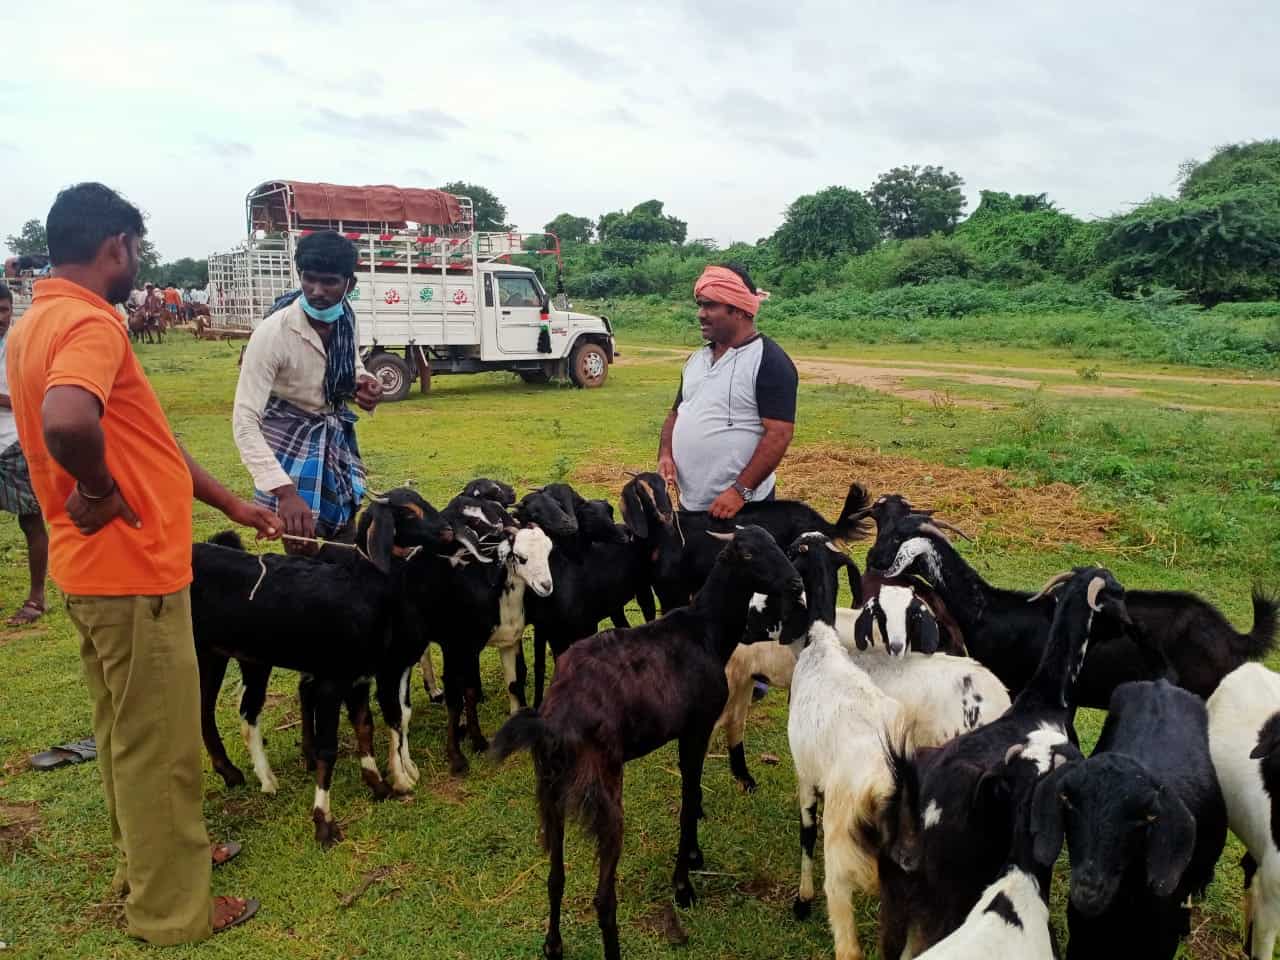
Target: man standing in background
x=735, y=411
x=16, y=495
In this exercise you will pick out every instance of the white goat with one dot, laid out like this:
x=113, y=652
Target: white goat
x=1009, y=920
x=837, y=727
x=1244, y=741
x=947, y=695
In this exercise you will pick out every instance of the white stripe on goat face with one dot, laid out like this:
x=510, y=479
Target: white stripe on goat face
x=895, y=601
x=1040, y=744
x=909, y=551
x=531, y=556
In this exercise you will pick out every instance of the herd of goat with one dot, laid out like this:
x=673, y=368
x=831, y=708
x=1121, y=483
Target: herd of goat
x=933, y=722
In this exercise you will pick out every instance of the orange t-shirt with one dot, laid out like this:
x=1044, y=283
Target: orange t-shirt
x=172, y=296
x=72, y=337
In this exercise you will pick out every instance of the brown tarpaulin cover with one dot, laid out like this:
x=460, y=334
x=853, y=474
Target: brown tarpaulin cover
x=373, y=204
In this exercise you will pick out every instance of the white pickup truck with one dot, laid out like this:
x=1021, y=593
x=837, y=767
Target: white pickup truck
x=432, y=295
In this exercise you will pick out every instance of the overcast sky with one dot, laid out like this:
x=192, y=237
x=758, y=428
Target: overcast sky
x=725, y=110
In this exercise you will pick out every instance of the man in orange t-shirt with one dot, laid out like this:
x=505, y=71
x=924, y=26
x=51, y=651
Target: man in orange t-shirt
x=172, y=301
x=117, y=491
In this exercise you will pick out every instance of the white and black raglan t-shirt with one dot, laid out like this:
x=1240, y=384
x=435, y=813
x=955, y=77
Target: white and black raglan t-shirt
x=720, y=406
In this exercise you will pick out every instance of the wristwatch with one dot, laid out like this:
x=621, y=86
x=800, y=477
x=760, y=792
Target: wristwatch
x=746, y=493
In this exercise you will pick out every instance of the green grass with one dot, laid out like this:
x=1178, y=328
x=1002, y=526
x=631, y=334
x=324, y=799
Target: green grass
x=1199, y=497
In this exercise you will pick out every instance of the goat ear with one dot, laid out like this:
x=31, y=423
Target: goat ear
x=854, y=575
x=1047, y=828
x=633, y=513
x=862, y=626
x=380, y=538
x=1171, y=840
x=928, y=633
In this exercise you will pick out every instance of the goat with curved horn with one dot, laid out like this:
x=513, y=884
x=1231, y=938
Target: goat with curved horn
x=1053, y=584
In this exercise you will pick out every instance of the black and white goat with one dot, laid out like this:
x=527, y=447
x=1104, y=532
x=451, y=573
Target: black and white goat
x=1174, y=635
x=622, y=694
x=891, y=637
x=974, y=787
x=341, y=623
x=1244, y=740
x=1144, y=822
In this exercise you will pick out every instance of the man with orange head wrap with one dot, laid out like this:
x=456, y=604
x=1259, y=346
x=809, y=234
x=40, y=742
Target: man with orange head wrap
x=735, y=411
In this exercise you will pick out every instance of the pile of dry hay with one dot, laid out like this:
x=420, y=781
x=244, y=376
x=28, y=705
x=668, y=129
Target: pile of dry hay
x=983, y=502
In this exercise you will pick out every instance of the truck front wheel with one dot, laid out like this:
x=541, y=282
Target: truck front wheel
x=588, y=365
x=393, y=373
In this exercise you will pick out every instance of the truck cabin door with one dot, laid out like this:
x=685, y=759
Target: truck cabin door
x=519, y=313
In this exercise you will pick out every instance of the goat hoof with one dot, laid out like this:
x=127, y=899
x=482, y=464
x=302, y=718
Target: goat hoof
x=458, y=765
x=696, y=861
x=802, y=908
x=685, y=896
x=479, y=744
x=232, y=777
x=748, y=784
x=553, y=951
x=327, y=831
x=411, y=770
x=436, y=697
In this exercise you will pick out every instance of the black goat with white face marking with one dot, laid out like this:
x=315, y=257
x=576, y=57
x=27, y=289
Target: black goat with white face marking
x=900, y=619
x=482, y=488
x=1144, y=821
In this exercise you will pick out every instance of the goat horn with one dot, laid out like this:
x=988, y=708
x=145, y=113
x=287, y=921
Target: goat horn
x=1095, y=587
x=1014, y=751
x=720, y=536
x=631, y=473
x=1053, y=584
x=952, y=527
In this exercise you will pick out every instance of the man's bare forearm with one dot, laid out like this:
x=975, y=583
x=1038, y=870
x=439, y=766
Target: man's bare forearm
x=205, y=487
x=768, y=454
x=668, y=430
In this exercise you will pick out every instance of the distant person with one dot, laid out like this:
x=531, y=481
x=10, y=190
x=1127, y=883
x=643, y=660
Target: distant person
x=152, y=302
x=735, y=411
x=291, y=423
x=136, y=299
x=172, y=303
x=16, y=495
x=117, y=490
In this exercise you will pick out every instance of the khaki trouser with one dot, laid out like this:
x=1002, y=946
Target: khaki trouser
x=140, y=663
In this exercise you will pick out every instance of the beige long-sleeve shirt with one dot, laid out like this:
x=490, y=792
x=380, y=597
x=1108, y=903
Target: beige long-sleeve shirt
x=285, y=358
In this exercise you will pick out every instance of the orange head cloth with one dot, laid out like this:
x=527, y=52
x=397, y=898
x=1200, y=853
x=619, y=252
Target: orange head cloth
x=722, y=285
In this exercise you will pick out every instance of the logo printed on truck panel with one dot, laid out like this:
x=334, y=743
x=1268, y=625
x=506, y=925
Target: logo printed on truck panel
x=459, y=296
x=392, y=296
x=354, y=294
x=426, y=295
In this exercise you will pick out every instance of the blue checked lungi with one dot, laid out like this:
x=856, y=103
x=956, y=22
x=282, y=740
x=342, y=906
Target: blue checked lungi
x=321, y=456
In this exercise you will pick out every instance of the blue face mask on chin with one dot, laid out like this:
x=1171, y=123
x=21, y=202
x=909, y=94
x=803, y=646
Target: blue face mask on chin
x=327, y=315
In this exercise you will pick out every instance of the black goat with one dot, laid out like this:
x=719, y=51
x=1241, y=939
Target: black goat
x=1145, y=823
x=597, y=570
x=622, y=694
x=482, y=488
x=973, y=788
x=784, y=519
x=340, y=623
x=1176, y=636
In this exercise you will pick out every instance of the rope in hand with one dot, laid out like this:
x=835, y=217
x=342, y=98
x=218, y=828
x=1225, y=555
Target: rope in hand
x=673, y=489
x=262, y=563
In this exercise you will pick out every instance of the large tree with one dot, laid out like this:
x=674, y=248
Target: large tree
x=30, y=239
x=571, y=229
x=645, y=223
x=828, y=223
x=917, y=201
x=1231, y=168
x=490, y=212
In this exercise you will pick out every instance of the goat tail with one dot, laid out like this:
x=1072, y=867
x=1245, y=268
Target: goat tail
x=1261, y=640
x=856, y=501
x=523, y=731
x=227, y=538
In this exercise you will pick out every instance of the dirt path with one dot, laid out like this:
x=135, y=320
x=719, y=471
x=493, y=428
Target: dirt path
x=886, y=376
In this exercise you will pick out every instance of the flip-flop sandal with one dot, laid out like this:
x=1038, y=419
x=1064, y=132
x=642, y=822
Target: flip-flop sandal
x=222, y=853
x=67, y=754
x=250, y=908
x=29, y=612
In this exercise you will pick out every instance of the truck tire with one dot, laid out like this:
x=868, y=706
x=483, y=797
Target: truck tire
x=588, y=365
x=534, y=376
x=393, y=373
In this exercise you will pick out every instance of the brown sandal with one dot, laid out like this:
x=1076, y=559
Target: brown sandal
x=221, y=853
x=29, y=612
x=230, y=912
